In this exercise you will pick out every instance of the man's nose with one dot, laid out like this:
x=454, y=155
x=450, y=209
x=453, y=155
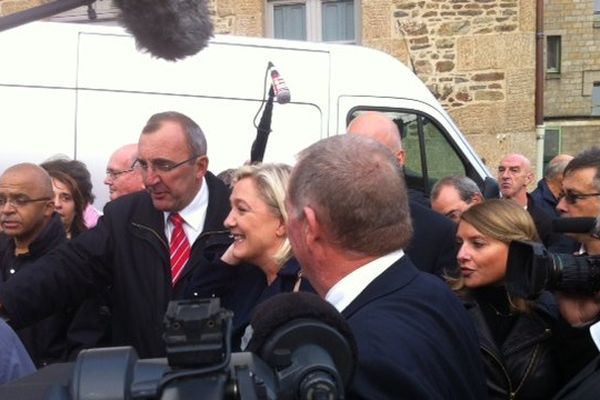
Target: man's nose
x=150, y=177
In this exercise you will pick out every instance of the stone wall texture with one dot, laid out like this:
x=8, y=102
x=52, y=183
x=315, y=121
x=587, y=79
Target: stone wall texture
x=567, y=95
x=476, y=56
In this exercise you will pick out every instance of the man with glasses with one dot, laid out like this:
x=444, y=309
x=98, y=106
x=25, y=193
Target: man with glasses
x=31, y=229
x=121, y=177
x=580, y=195
x=146, y=246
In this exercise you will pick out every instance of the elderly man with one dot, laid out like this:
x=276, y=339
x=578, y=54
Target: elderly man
x=432, y=247
x=146, y=246
x=452, y=195
x=348, y=223
x=121, y=177
x=514, y=175
x=548, y=188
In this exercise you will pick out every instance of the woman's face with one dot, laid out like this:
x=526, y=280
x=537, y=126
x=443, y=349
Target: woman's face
x=257, y=233
x=64, y=203
x=482, y=259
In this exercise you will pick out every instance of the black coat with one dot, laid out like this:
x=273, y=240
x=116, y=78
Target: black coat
x=45, y=341
x=433, y=245
x=525, y=365
x=128, y=251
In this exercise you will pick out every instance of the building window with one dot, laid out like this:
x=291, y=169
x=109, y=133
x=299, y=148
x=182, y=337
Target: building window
x=551, y=144
x=596, y=13
x=596, y=99
x=553, y=54
x=313, y=20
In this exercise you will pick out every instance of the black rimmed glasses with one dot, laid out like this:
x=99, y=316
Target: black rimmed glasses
x=20, y=201
x=159, y=166
x=572, y=198
x=115, y=174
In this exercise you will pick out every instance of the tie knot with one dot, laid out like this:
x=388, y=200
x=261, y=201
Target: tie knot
x=176, y=219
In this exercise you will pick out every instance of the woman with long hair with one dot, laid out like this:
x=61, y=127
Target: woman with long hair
x=68, y=202
x=515, y=334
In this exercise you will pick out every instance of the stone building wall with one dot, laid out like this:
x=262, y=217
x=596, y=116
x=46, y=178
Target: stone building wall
x=476, y=56
x=569, y=94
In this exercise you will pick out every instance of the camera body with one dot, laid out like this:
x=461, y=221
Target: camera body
x=531, y=269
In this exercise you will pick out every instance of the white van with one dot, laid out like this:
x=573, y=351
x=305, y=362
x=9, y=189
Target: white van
x=84, y=90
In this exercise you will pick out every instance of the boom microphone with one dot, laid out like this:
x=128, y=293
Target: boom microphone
x=169, y=29
x=282, y=92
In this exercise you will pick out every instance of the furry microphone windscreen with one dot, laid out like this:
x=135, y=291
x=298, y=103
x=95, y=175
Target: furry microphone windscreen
x=169, y=29
x=286, y=307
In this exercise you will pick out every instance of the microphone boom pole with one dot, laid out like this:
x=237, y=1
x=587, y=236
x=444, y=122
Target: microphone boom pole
x=40, y=12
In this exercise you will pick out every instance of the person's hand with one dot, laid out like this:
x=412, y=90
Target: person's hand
x=229, y=258
x=578, y=310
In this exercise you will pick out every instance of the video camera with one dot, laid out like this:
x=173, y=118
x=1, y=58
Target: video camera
x=296, y=357
x=531, y=268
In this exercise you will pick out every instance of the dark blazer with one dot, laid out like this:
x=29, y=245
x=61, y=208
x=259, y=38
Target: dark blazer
x=554, y=242
x=415, y=339
x=128, y=251
x=433, y=245
x=544, y=198
x=584, y=386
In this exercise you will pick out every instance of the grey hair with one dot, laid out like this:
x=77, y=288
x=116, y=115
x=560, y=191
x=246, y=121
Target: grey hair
x=356, y=188
x=196, y=140
x=589, y=158
x=465, y=186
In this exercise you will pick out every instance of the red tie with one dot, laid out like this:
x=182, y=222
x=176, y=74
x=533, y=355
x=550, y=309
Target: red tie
x=179, y=248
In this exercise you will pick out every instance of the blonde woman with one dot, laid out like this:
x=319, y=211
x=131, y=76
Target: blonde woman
x=515, y=335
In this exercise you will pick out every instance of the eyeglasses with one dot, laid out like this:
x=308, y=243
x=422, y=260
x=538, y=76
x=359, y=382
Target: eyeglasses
x=19, y=201
x=115, y=174
x=572, y=198
x=160, y=165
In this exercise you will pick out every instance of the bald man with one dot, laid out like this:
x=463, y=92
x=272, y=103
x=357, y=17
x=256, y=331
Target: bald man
x=549, y=187
x=514, y=175
x=121, y=177
x=31, y=229
x=432, y=248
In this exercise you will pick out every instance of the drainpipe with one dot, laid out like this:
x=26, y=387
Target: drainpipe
x=539, y=89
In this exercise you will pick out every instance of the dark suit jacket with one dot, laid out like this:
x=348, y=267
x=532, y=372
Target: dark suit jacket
x=585, y=385
x=433, y=245
x=415, y=339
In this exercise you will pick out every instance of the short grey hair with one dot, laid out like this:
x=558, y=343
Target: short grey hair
x=356, y=187
x=196, y=140
x=465, y=186
x=589, y=158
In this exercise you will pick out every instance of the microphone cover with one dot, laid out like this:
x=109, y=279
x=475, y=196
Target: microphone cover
x=286, y=307
x=169, y=29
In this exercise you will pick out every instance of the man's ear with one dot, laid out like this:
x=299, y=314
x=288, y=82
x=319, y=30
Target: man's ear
x=476, y=198
x=312, y=227
x=202, y=163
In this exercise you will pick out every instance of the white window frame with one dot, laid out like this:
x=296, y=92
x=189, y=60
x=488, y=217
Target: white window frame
x=314, y=32
x=558, y=54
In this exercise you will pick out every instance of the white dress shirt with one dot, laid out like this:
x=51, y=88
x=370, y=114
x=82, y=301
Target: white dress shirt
x=193, y=216
x=349, y=287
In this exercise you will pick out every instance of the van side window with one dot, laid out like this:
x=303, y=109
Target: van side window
x=429, y=153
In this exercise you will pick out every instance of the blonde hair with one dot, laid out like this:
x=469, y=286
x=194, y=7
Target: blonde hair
x=503, y=220
x=271, y=182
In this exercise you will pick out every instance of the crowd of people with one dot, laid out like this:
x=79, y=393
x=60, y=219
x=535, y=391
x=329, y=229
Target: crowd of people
x=420, y=278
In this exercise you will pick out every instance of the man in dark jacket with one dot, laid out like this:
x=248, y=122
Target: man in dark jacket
x=31, y=229
x=432, y=247
x=130, y=248
x=348, y=222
